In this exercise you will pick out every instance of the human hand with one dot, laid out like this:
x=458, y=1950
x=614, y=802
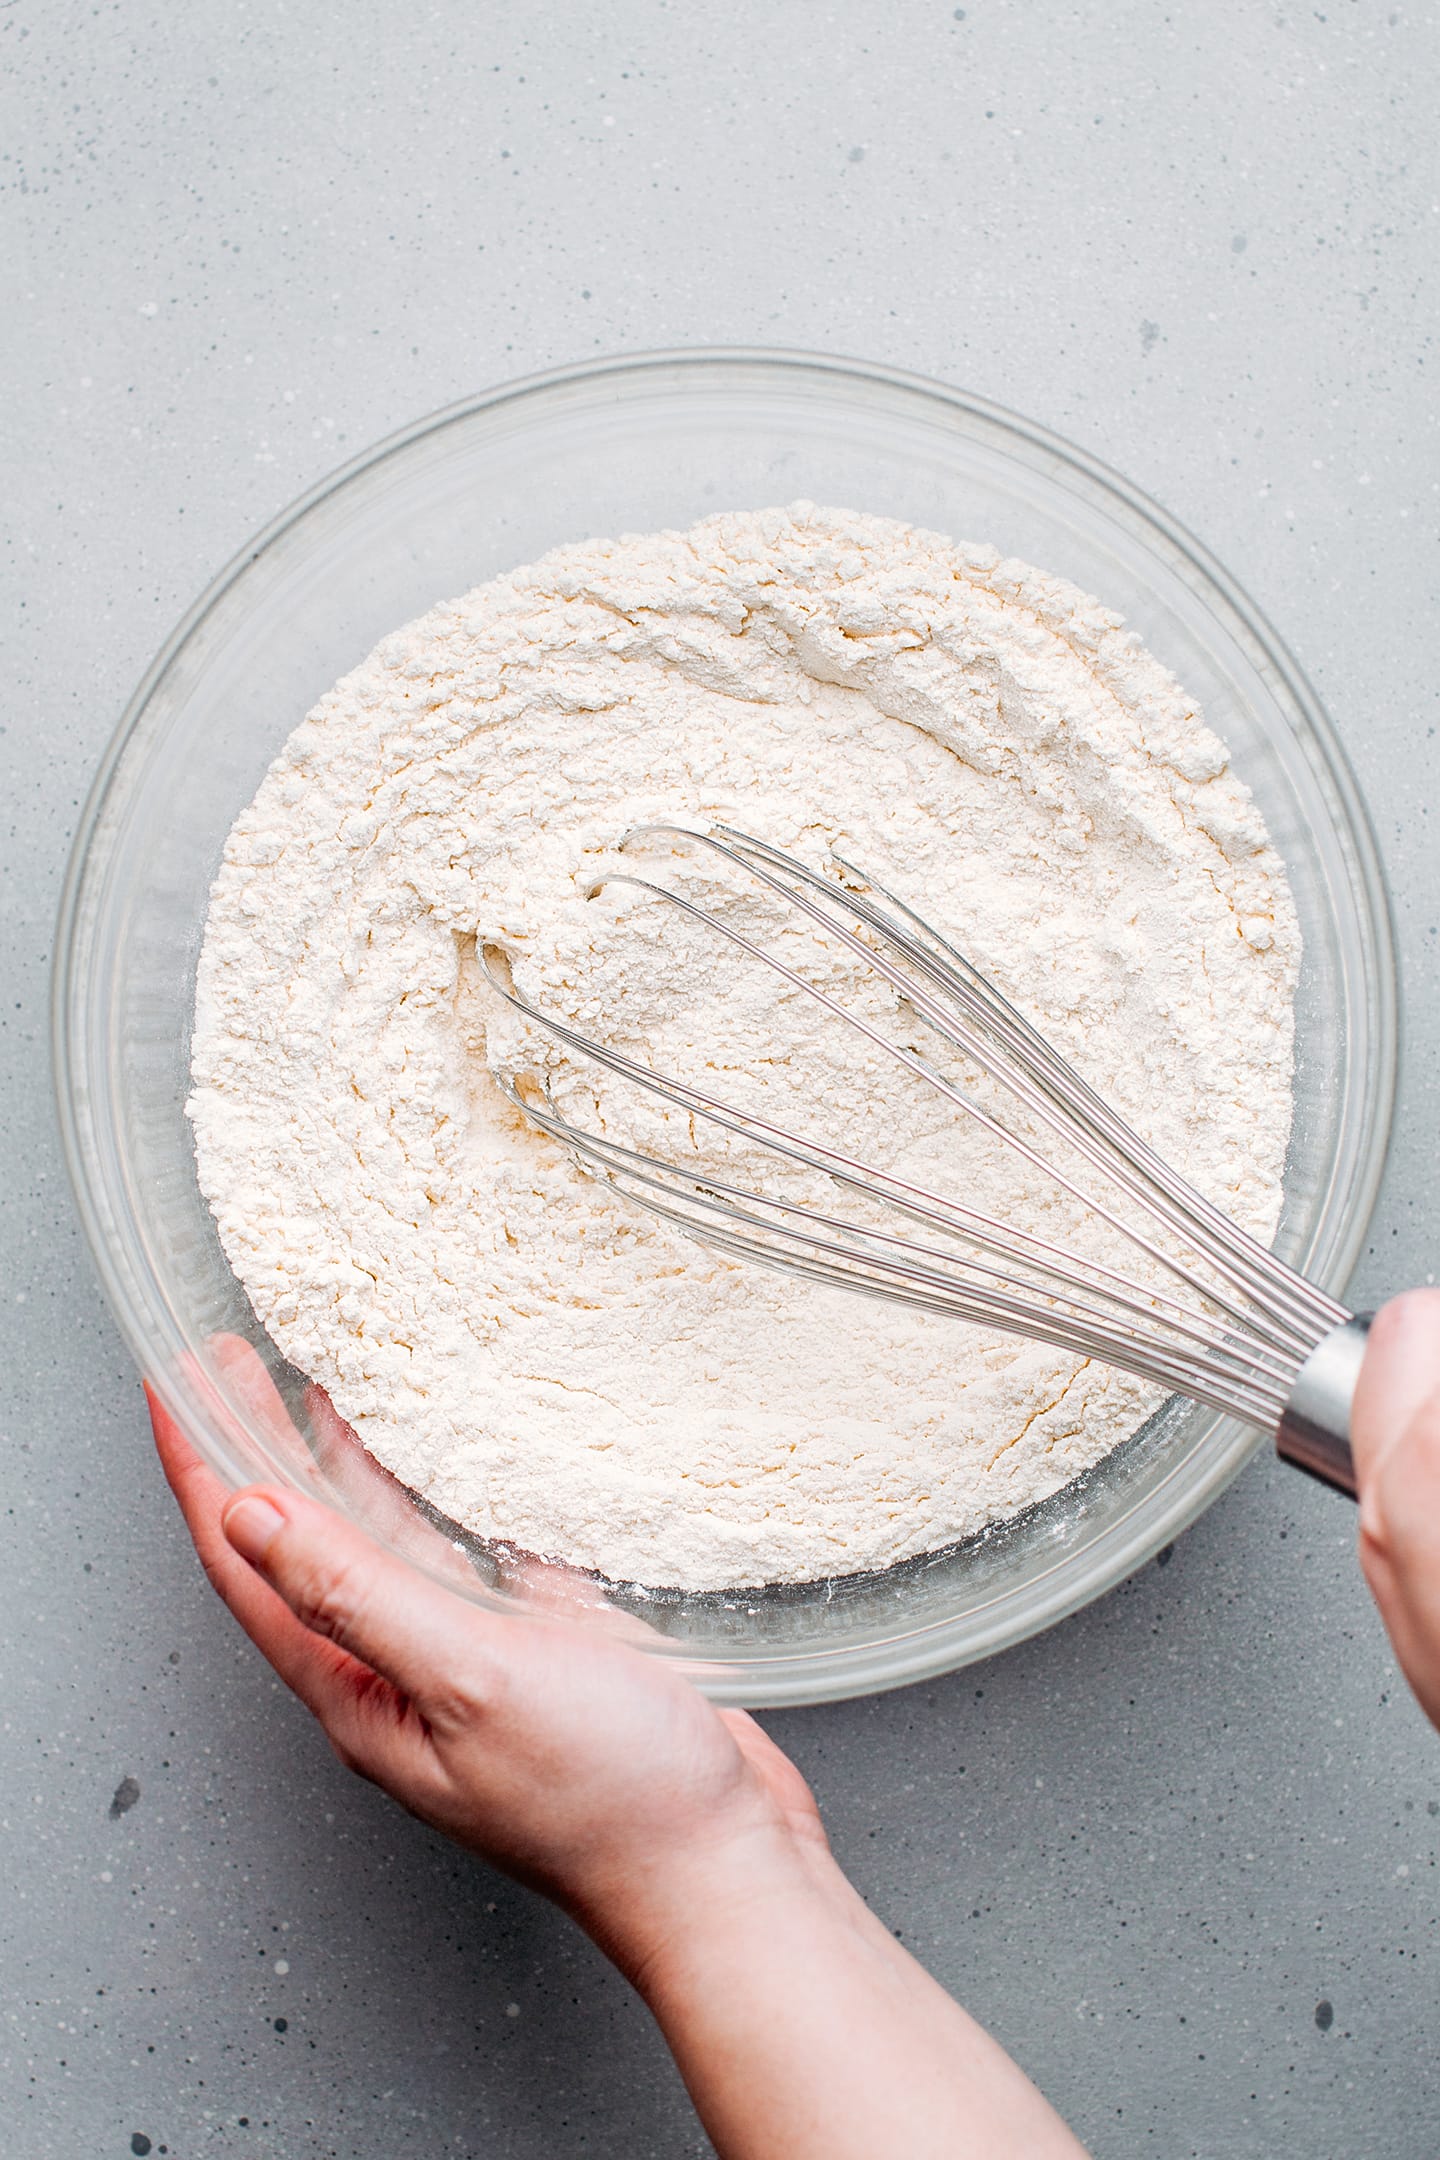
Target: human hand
x=1395, y=1432
x=677, y=1834
x=595, y=1773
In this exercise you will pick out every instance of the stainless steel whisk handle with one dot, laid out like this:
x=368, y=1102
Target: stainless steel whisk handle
x=1314, y=1430
x=1234, y=1322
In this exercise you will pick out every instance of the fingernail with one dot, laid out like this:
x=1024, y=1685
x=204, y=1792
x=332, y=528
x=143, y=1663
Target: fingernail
x=250, y=1523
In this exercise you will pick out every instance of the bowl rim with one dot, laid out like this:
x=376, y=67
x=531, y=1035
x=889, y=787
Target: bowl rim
x=795, y=1676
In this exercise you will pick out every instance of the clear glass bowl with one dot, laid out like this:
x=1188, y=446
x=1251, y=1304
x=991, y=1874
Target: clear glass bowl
x=632, y=445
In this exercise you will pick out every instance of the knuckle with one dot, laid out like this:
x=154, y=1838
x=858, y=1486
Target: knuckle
x=454, y=1702
x=468, y=1685
x=328, y=1596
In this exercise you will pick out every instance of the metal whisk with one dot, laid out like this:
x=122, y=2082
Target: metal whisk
x=1233, y=1327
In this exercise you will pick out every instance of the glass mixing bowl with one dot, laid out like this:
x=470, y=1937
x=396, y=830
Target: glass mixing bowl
x=631, y=445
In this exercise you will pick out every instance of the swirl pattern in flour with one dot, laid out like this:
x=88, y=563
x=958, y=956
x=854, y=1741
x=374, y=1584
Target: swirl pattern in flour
x=544, y=1364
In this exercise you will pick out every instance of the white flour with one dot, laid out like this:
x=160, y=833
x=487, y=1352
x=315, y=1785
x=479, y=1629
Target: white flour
x=543, y=1363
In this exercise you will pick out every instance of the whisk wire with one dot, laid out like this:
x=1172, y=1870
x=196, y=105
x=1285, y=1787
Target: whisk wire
x=1086, y=1324
x=1064, y=1085
x=1240, y=1351
x=1058, y=1095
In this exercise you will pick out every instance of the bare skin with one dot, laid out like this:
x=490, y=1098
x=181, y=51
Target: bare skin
x=1395, y=1425
x=678, y=1835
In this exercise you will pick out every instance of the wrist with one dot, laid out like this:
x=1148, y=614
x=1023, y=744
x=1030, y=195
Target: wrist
x=682, y=1910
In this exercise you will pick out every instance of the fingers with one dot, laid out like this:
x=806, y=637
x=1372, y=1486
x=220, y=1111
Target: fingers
x=1396, y=1426
x=1400, y=1552
x=328, y=1579
x=312, y=1667
x=563, y=1592
x=1400, y=1374
x=381, y=1503
x=247, y=1377
x=339, y=1586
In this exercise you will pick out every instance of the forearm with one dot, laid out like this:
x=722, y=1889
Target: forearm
x=804, y=2030
x=679, y=1836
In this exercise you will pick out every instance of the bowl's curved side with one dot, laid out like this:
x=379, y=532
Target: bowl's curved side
x=116, y=1108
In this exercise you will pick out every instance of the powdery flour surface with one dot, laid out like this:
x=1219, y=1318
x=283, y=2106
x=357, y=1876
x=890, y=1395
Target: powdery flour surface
x=545, y=1364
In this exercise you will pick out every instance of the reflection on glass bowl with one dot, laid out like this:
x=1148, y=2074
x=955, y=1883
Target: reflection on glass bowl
x=628, y=446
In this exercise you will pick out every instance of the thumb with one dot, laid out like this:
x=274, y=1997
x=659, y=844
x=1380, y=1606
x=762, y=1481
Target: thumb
x=429, y=1643
x=1396, y=1426
x=1399, y=1377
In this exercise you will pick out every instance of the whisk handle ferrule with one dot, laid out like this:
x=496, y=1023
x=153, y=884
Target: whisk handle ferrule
x=1314, y=1431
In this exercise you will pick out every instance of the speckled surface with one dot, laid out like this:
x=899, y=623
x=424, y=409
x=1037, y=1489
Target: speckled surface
x=1181, y=1852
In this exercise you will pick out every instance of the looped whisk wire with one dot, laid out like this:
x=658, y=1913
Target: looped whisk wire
x=1234, y=1325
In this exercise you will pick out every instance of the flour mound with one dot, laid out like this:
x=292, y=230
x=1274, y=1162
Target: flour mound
x=543, y=1363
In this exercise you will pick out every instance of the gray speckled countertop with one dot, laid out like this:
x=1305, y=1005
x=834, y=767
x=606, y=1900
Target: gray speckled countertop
x=1181, y=1852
